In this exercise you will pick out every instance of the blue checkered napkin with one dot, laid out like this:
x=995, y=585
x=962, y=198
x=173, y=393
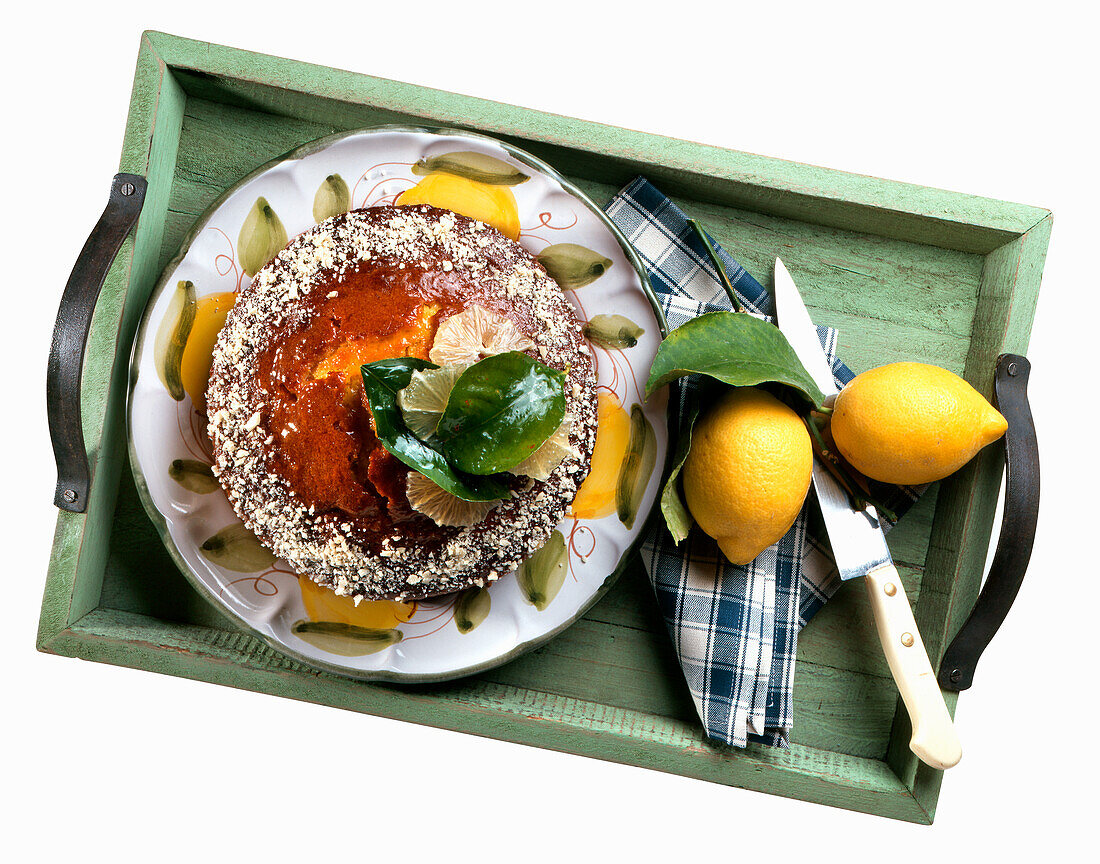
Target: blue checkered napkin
x=735, y=628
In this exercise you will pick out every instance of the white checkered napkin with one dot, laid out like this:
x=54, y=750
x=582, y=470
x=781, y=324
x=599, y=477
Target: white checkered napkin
x=735, y=628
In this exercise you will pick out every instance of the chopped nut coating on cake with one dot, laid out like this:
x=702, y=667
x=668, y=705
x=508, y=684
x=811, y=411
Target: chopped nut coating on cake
x=293, y=441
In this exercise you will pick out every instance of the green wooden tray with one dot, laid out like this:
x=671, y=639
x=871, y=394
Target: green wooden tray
x=202, y=116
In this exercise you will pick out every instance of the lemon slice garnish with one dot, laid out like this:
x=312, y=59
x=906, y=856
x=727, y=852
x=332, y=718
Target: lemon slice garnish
x=474, y=334
x=441, y=506
x=549, y=456
x=424, y=400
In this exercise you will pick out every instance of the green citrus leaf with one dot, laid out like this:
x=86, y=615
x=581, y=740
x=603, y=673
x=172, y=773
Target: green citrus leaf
x=236, y=548
x=634, y=474
x=347, y=640
x=500, y=411
x=613, y=331
x=171, y=338
x=472, y=608
x=472, y=166
x=262, y=237
x=541, y=576
x=573, y=266
x=734, y=348
x=677, y=516
x=193, y=475
x=333, y=198
x=382, y=381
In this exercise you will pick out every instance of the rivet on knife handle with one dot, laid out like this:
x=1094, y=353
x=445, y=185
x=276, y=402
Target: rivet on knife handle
x=934, y=740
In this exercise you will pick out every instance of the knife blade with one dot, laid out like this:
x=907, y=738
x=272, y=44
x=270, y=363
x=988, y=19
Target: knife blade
x=859, y=549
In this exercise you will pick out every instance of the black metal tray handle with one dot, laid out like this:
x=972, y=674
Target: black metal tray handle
x=1021, y=513
x=70, y=334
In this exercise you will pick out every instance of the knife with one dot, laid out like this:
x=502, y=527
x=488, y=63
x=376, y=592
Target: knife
x=859, y=549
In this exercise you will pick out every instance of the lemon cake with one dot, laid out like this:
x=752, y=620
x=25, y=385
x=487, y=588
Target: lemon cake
x=294, y=444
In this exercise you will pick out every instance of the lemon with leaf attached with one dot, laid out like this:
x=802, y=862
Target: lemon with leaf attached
x=912, y=423
x=748, y=472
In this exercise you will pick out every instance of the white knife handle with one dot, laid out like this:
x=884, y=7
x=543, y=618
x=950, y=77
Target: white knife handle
x=934, y=738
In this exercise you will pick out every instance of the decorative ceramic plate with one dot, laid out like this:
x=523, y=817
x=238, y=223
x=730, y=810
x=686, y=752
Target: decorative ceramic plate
x=442, y=637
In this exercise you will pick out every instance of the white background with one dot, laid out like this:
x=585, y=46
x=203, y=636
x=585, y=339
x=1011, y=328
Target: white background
x=112, y=764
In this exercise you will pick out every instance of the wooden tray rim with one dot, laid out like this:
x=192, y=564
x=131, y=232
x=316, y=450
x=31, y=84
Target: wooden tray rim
x=1013, y=238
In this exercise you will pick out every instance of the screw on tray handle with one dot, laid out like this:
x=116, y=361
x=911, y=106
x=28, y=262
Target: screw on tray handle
x=74, y=319
x=1021, y=513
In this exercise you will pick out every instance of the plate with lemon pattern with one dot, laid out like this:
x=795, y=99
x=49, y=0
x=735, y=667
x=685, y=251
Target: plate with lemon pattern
x=170, y=453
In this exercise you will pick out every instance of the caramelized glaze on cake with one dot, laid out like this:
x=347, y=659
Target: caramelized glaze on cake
x=293, y=441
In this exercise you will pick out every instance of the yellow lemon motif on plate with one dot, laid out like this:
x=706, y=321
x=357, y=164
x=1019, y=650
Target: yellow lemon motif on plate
x=198, y=354
x=324, y=604
x=596, y=497
x=493, y=205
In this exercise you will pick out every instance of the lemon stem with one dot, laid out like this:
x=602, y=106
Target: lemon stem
x=884, y=511
x=836, y=468
x=716, y=261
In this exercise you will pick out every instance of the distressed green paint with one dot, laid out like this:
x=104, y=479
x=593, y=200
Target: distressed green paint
x=582, y=148
x=904, y=272
x=152, y=132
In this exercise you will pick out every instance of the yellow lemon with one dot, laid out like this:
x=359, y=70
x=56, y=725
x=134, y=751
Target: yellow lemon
x=748, y=472
x=912, y=423
x=198, y=353
x=493, y=205
x=324, y=604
